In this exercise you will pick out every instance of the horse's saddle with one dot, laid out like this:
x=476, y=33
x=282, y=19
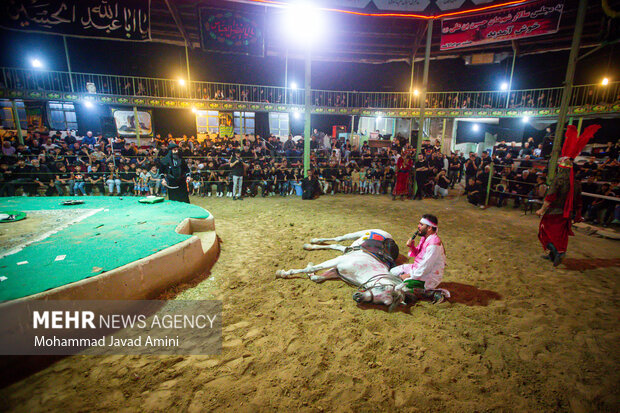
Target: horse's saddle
x=385, y=251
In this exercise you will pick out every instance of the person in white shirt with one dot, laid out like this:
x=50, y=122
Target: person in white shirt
x=427, y=269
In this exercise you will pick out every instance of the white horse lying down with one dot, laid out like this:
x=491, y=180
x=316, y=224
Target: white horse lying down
x=365, y=264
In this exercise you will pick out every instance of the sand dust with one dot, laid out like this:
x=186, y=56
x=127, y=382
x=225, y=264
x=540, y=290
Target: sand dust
x=517, y=334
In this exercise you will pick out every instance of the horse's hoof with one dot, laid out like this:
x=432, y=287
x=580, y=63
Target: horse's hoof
x=307, y=246
x=317, y=278
x=393, y=306
x=314, y=241
x=279, y=273
x=358, y=297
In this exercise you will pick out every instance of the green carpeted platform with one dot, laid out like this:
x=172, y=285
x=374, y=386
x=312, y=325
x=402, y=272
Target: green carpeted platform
x=122, y=232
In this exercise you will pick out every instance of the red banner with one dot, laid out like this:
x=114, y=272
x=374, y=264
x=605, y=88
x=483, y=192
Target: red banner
x=529, y=20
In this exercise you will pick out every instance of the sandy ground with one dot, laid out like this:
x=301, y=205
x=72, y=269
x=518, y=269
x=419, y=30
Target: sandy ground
x=517, y=335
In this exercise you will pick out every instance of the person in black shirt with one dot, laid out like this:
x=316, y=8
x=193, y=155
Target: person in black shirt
x=421, y=176
x=590, y=167
x=126, y=176
x=473, y=192
x=602, y=207
x=94, y=178
x=454, y=166
x=257, y=181
x=237, y=170
x=21, y=177
x=441, y=185
x=175, y=172
x=526, y=163
x=310, y=186
x=388, y=180
x=508, y=160
x=41, y=178
x=501, y=149
x=470, y=168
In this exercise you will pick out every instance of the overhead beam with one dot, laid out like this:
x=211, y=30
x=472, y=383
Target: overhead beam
x=177, y=20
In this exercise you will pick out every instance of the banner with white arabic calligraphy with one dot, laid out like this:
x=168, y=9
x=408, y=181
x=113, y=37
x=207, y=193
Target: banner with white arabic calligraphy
x=529, y=20
x=230, y=31
x=106, y=19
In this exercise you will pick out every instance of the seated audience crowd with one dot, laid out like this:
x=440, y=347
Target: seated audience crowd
x=63, y=164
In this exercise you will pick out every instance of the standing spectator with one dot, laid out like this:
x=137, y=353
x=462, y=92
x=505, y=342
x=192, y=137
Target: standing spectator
x=404, y=166
x=422, y=170
x=237, y=171
x=454, y=166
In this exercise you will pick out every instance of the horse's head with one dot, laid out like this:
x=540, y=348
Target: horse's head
x=383, y=290
x=391, y=248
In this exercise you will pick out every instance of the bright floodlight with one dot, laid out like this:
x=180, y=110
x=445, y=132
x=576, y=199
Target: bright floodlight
x=379, y=118
x=475, y=128
x=194, y=110
x=304, y=23
x=36, y=63
x=504, y=86
x=416, y=92
x=89, y=104
x=296, y=115
x=605, y=81
x=294, y=86
x=182, y=82
x=525, y=119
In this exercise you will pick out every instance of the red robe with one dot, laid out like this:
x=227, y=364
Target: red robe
x=564, y=197
x=402, y=177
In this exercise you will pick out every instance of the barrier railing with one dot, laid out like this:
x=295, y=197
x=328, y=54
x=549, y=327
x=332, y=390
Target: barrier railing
x=31, y=79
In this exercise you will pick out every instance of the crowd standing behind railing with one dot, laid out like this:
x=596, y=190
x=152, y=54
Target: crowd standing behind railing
x=68, y=165
x=541, y=98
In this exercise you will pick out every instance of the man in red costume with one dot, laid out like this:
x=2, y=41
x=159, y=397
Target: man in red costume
x=562, y=203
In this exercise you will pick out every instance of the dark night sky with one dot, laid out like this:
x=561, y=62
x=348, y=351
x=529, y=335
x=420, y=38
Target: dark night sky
x=167, y=61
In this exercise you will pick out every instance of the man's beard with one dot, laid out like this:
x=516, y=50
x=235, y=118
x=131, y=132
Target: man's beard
x=424, y=232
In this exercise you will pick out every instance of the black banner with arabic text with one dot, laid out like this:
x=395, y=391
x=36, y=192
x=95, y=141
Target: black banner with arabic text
x=230, y=31
x=107, y=19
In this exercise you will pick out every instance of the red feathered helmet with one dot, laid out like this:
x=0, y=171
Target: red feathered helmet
x=573, y=146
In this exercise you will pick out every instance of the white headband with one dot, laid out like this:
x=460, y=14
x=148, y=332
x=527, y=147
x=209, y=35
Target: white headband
x=427, y=222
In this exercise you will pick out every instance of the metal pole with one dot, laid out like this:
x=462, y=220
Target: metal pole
x=486, y=201
x=307, y=109
x=136, y=122
x=411, y=95
x=427, y=56
x=18, y=126
x=189, y=85
x=568, y=87
x=579, y=123
x=286, y=77
x=352, y=123
x=64, y=40
x=570, y=120
x=443, y=135
x=512, y=70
